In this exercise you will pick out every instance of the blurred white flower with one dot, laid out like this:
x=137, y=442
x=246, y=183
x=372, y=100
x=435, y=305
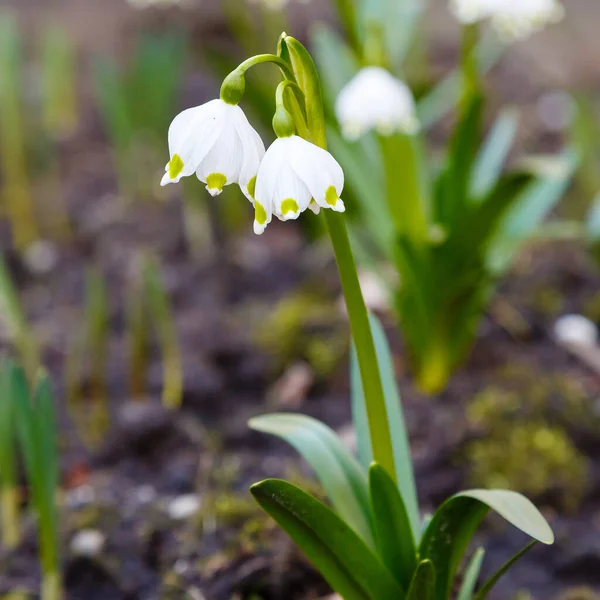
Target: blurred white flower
x=375, y=99
x=293, y=176
x=512, y=19
x=215, y=141
x=576, y=330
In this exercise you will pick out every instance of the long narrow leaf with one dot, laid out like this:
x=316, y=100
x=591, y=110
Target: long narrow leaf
x=455, y=522
x=486, y=588
x=346, y=562
x=422, y=586
x=471, y=574
x=491, y=158
x=337, y=470
x=401, y=447
x=393, y=534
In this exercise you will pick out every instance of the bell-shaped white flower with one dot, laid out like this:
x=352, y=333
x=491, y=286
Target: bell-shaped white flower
x=375, y=99
x=293, y=176
x=512, y=19
x=215, y=141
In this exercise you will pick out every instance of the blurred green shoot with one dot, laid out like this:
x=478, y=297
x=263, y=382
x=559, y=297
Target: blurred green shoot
x=59, y=69
x=97, y=326
x=136, y=127
x=37, y=435
x=164, y=324
x=13, y=318
x=59, y=121
x=9, y=488
x=91, y=343
x=15, y=191
x=138, y=338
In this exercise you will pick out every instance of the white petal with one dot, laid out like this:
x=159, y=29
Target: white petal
x=253, y=153
x=223, y=162
x=320, y=172
x=192, y=134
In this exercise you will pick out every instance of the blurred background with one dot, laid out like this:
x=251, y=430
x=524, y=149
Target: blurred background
x=139, y=299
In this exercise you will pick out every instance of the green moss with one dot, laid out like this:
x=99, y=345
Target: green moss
x=304, y=326
x=578, y=593
x=523, y=438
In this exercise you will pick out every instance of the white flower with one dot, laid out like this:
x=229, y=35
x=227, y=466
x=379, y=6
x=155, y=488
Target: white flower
x=375, y=99
x=512, y=19
x=575, y=330
x=293, y=176
x=215, y=141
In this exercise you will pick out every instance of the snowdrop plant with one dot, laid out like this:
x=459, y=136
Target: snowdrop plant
x=373, y=542
x=451, y=226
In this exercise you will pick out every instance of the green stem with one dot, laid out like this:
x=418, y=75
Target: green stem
x=404, y=190
x=358, y=315
x=470, y=62
x=51, y=586
x=266, y=58
x=381, y=440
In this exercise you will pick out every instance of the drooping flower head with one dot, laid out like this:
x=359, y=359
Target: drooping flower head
x=215, y=141
x=375, y=99
x=293, y=176
x=512, y=19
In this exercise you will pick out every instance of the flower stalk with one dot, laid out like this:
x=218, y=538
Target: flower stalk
x=355, y=304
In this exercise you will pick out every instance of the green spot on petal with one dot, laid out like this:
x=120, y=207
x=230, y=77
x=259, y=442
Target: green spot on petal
x=175, y=166
x=289, y=205
x=260, y=214
x=252, y=186
x=216, y=181
x=331, y=196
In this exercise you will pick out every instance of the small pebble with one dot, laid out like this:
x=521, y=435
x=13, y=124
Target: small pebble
x=183, y=507
x=41, y=257
x=145, y=494
x=576, y=330
x=88, y=542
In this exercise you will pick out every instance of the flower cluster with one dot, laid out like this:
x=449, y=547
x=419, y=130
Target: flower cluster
x=512, y=19
x=217, y=143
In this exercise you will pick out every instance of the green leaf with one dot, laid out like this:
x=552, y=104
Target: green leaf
x=462, y=152
x=486, y=588
x=529, y=210
x=401, y=447
x=445, y=95
x=344, y=560
x=492, y=157
x=471, y=575
x=592, y=222
x=7, y=426
x=456, y=520
x=422, y=586
x=393, y=534
x=337, y=470
x=337, y=64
